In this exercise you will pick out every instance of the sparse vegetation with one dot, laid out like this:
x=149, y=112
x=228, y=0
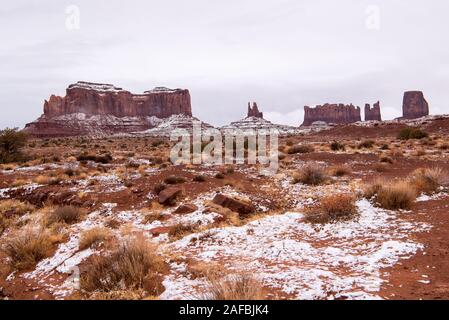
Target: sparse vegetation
x=333, y=208
x=427, y=180
x=66, y=214
x=337, y=146
x=366, y=144
x=11, y=143
x=236, y=287
x=27, y=248
x=311, y=175
x=132, y=266
x=412, y=133
x=300, y=148
x=104, y=159
x=339, y=170
x=393, y=196
x=180, y=230
x=93, y=237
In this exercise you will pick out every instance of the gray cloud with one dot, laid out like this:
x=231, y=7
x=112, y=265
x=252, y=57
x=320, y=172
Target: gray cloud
x=282, y=54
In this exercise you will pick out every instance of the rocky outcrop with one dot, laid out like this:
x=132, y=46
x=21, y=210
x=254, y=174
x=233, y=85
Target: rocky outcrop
x=91, y=108
x=331, y=114
x=254, y=111
x=373, y=114
x=414, y=105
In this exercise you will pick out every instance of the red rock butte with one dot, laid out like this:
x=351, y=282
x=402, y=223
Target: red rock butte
x=373, y=114
x=414, y=105
x=106, y=99
x=332, y=113
x=93, y=109
x=254, y=111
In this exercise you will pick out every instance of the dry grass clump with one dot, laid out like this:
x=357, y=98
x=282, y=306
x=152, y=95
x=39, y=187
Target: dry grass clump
x=237, y=287
x=104, y=159
x=393, y=196
x=337, y=146
x=132, y=266
x=66, y=214
x=333, y=208
x=180, y=230
x=339, y=171
x=311, y=175
x=300, y=148
x=93, y=237
x=27, y=248
x=15, y=207
x=366, y=144
x=385, y=159
x=199, y=178
x=427, y=180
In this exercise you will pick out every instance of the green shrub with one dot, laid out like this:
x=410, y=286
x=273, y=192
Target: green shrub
x=412, y=133
x=11, y=143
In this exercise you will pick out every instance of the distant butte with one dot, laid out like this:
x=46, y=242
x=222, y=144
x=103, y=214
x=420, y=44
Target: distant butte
x=254, y=111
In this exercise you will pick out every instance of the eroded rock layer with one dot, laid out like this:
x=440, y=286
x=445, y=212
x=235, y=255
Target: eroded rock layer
x=373, y=114
x=331, y=114
x=91, y=107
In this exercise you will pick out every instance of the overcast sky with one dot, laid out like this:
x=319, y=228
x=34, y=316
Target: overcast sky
x=282, y=54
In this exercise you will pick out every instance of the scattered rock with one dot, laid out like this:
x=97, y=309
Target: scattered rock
x=239, y=206
x=168, y=196
x=186, y=208
x=156, y=232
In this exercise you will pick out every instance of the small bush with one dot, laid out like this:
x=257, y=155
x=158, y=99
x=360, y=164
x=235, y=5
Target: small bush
x=412, y=133
x=104, y=159
x=238, y=287
x=426, y=180
x=67, y=214
x=392, y=196
x=339, y=171
x=11, y=143
x=199, y=178
x=367, y=144
x=28, y=248
x=92, y=237
x=333, y=208
x=133, y=266
x=180, y=230
x=219, y=175
x=174, y=180
x=386, y=160
x=311, y=175
x=337, y=146
x=300, y=149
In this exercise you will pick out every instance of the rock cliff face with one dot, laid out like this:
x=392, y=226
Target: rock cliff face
x=414, y=105
x=332, y=113
x=373, y=114
x=254, y=111
x=91, y=108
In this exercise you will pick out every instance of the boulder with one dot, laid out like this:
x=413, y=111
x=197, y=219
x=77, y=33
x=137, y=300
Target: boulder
x=186, y=208
x=241, y=207
x=168, y=196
